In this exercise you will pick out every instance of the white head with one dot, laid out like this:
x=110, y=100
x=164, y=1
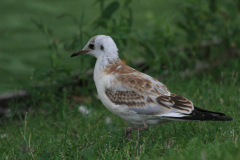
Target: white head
x=100, y=46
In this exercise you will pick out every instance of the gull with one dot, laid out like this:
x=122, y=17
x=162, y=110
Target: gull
x=137, y=97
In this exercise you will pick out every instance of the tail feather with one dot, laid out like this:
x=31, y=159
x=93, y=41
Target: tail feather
x=199, y=114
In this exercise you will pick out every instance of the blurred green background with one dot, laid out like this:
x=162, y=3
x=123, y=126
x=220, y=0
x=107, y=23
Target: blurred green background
x=24, y=47
x=172, y=35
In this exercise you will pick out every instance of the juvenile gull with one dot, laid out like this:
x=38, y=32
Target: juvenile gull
x=137, y=97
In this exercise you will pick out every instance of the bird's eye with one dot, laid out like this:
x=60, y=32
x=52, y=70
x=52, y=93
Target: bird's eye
x=91, y=46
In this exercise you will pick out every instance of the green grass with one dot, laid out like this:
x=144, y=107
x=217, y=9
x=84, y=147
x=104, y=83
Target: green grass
x=57, y=130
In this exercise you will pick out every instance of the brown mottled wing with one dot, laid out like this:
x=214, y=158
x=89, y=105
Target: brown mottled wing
x=136, y=102
x=145, y=95
x=141, y=84
x=127, y=78
x=129, y=98
x=150, y=105
x=177, y=103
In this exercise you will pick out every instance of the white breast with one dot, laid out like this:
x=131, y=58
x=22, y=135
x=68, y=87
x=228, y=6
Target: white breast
x=102, y=81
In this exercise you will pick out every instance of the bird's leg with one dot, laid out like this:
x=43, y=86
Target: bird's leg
x=145, y=127
x=128, y=133
x=139, y=135
x=130, y=129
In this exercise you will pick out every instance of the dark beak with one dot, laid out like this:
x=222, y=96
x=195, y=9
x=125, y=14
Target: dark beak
x=78, y=53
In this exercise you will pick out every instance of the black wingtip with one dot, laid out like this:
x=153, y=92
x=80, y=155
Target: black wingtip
x=227, y=118
x=216, y=115
x=199, y=114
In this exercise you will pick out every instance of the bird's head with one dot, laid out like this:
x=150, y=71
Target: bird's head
x=99, y=46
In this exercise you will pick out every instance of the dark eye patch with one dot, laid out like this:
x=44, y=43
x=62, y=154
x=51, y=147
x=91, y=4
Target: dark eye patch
x=102, y=48
x=91, y=46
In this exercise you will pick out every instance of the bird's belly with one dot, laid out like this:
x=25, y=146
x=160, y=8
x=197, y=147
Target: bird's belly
x=137, y=119
x=132, y=117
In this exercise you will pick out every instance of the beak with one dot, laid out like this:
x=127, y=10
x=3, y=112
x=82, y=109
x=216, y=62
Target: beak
x=79, y=52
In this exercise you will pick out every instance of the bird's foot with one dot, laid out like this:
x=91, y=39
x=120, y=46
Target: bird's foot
x=130, y=129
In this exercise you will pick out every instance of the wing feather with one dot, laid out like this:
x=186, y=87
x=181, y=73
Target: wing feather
x=145, y=102
x=143, y=94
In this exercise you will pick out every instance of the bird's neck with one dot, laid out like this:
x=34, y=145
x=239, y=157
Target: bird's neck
x=103, y=62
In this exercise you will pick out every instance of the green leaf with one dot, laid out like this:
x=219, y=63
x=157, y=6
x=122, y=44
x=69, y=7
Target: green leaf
x=109, y=10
